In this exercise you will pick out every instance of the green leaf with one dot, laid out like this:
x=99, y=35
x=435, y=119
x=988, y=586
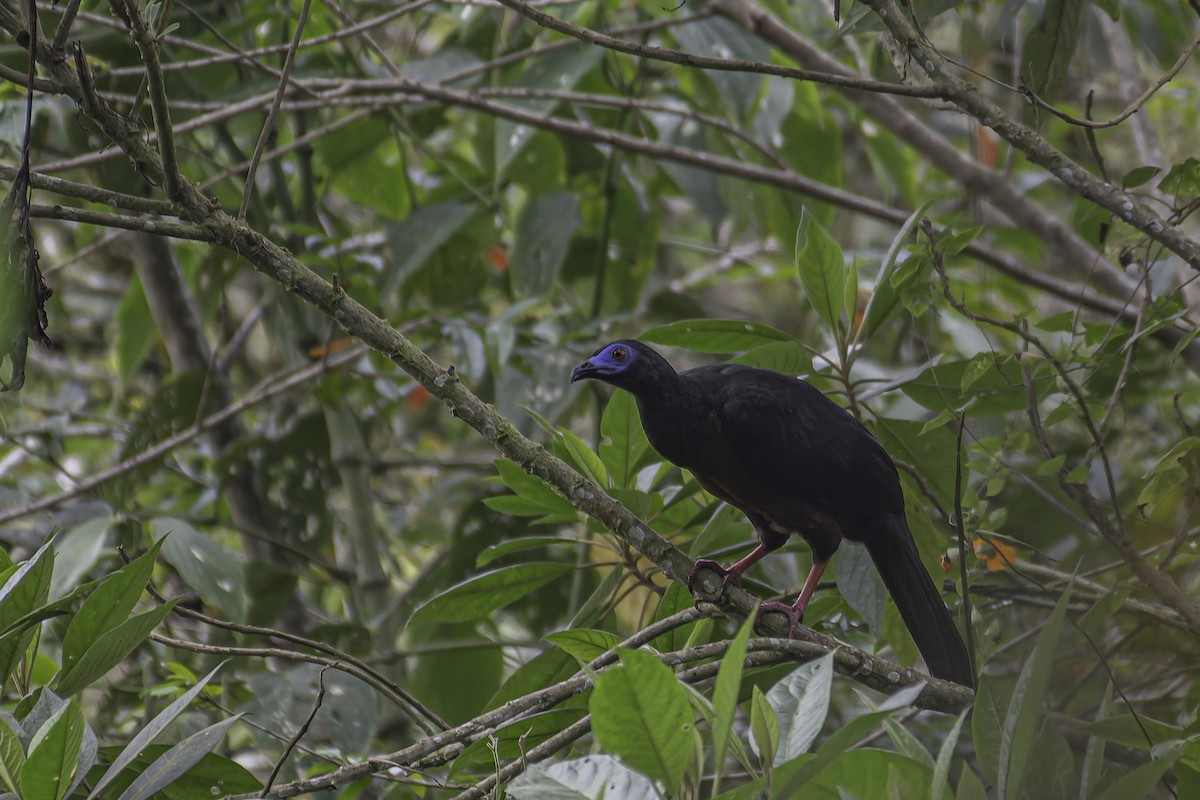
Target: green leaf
x=801, y=702
x=1093, y=758
x=584, y=459
x=641, y=714
x=147, y=734
x=525, y=543
x=976, y=368
x=725, y=692
x=715, y=335
x=789, y=358
x=822, y=269
x=559, y=70
x=1025, y=708
x=764, y=728
x=941, y=768
x=987, y=725
x=580, y=779
x=584, y=644
x=532, y=489
x=1140, y=781
x=834, y=748
x=859, y=582
x=78, y=550
x=48, y=771
x=205, y=565
x=134, y=331
x=481, y=595
x=543, y=237
x=105, y=609
x=1050, y=47
x=12, y=758
x=110, y=649
x=886, y=296
x=1138, y=176
x=997, y=390
x=27, y=588
x=1183, y=180
x=623, y=441
x=177, y=761
x=416, y=238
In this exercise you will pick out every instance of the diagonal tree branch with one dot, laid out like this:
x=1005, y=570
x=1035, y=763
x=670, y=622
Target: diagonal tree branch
x=1039, y=151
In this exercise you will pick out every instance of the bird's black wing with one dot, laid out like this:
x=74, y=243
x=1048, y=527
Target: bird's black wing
x=794, y=442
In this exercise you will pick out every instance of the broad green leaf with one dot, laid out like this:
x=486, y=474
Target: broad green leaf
x=481, y=595
x=987, y=725
x=1183, y=180
x=641, y=714
x=587, y=778
x=548, y=667
x=178, y=760
x=969, y=785
x=543, y=236
x=1025, y=708
x=12, y=758
x=78, y=550
x=584, y=459
x=1050, y=47
x=801, y=701
x=205, y=564
x=413, y=240
x=1141, y=780
x=941, y=768
x=110, y=649
x=533, y=490
x=1139, y=175
x=27, y=588
x=885, y=297
x=50, y=767
x=805, y=769
x=725, y=693
x=1093, y=758
x=147, y=734
x=789, y=358
x=764, y=728
x=715, y=335
x=822, y=269
x=106, y=608
x=722, y=38
x=623, y=442
x=859, y=582
x=559, y=70
x=583, y=643
x=134, y=331
x=509, y=546
x=997, y=390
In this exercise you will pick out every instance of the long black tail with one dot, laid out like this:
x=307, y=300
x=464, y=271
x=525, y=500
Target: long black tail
x=895, y=555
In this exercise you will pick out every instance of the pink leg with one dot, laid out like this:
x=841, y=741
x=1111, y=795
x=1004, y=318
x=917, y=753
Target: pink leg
x=795, y=612
x=733, y=575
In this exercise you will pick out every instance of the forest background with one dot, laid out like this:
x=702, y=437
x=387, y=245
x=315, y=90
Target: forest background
x=295, y=494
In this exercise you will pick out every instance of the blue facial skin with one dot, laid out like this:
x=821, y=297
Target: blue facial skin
x=611, y=360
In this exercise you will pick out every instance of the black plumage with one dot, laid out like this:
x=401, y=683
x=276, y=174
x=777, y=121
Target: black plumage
x=793, y=461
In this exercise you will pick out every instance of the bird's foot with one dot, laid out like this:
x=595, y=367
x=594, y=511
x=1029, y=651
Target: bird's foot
x=794, y=613
x=728, y=577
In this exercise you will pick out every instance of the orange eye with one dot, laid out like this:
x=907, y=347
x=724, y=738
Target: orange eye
x=620, y=354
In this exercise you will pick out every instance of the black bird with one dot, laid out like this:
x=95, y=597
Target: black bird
x=793, y=461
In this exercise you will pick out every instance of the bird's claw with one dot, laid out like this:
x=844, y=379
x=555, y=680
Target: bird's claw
x=795, y=615
x=728, y=578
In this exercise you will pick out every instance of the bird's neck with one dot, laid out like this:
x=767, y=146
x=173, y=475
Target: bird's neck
x=669, y=415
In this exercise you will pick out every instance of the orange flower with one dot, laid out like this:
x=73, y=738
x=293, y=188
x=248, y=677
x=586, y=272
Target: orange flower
x=417, y=398
x=997, y=554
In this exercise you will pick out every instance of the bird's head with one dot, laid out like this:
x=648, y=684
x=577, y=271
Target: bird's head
x=625, y=363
